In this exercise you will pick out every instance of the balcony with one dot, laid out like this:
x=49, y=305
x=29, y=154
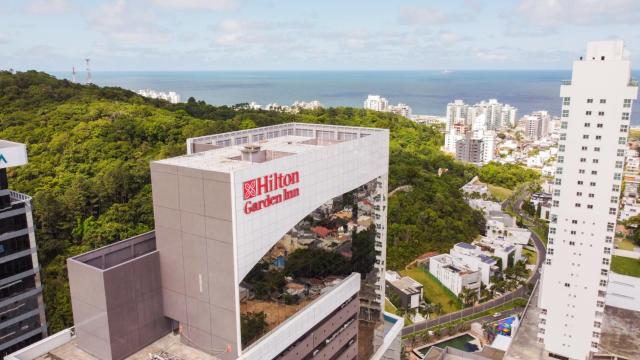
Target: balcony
x=565, y=82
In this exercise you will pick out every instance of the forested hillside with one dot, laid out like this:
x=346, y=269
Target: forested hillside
x=89, y=149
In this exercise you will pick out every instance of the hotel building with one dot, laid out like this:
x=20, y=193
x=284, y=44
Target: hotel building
x=22, y=318
x=596, y=108
x=240, y=208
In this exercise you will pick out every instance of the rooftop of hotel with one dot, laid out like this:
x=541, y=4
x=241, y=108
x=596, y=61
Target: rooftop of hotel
x=170, y=345
x=231, y=151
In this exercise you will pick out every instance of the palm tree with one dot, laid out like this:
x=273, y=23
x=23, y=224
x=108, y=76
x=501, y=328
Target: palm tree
x=437, y=308
x=468, y=296
x=485, y=294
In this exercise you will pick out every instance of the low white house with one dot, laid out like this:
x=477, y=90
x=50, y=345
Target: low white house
x=453, y=273
x=473, y=258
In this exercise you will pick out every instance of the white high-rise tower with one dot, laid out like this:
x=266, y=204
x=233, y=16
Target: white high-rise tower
x=596, y=108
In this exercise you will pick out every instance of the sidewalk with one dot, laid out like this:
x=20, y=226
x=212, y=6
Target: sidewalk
x=627, y=253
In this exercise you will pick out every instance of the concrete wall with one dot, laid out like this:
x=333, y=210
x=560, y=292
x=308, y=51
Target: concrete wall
x=623, y=292
x=117, y=310
x=194, y=237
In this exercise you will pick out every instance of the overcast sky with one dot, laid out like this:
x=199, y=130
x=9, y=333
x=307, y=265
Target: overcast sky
x=309, y=35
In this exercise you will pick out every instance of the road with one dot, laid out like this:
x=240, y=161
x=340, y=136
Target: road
x=520, y=292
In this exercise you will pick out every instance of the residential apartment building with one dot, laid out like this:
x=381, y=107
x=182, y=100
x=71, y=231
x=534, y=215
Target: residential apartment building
x=596, y=108
x=457, y=113
x=476, y=147
x=377, y=103
x=22, y=318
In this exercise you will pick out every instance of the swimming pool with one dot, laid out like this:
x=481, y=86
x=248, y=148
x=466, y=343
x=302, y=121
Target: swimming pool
x=464, y=342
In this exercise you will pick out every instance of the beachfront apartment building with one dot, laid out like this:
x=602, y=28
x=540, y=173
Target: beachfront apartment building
x=596, y=111
x=22, y=317
x=377, y=103
x=453, y=273
x=224, y=212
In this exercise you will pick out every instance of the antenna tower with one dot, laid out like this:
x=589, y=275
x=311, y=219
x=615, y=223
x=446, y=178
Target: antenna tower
x=88, y=79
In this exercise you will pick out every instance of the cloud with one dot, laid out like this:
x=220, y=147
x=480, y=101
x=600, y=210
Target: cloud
x=48, y=7
x=4, y=38
x=232, y=32
x=196, y=4
x=414, y=15
x=551, y=13
x=448, y=38
x=127, y=24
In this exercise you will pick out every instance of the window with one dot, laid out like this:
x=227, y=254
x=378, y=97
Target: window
x=577, y=205
x=610, y=227
x=595, y=161
x=591, y=195
x=596, y=335
x=565, y=113
x=614, y=199
x=581, y=171
x=594, y=344
x=552, y=230
x=588, y=112
x=603, y=101
x=563, y=136
x=607, y=250
x=580, y=182
x=563, y=125
x=593, y=183
x=604, y=272
x=550, y=251
x=572, y=243
x=612, y=211
x=617, y=176
x=567, y=285
x=559, y=171
x=599, y=126
x=597, y=324
x=558, y=181
x=619, y=164
x=583, y=159
x=566, y=101
x=579, y=193
x=600, y=113
x=587, y=124
x=603, y=282
x=560, y=159
x=589, y=206
x=605, y=261
x=548, y=261
x=598, y=137
x=625, y=116
x=573, y=232
x=626, y=103
x=620, y=152
x=597, y=148
x=584, y=148
x=556, y=203
x=589, y=101
x=560, y=148
x=622, y=140
x=574, y=221
x=615, y=188
x=556, y=192
x=624, y=128
x=594, y=172
x=608, y=239
x=585, y=136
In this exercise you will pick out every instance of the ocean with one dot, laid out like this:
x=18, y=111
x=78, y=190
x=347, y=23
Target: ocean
x=427, y=92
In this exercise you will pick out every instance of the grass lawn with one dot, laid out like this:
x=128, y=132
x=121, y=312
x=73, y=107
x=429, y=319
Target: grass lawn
x=389, y=307
x=499, y=193
x=433, y=290
x=625, y=244
x=532, y=257
x=625, y=266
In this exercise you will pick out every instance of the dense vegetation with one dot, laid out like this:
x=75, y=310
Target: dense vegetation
x=89, y=150
x=506, y=175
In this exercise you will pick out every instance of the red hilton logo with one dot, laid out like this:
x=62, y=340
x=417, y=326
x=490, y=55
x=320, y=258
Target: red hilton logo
x=267, y=184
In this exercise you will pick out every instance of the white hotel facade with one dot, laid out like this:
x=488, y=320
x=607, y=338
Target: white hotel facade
x=219, y=210
x=595, y=122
